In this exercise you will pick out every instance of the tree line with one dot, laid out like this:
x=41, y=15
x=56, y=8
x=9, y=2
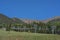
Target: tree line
x=40, y=27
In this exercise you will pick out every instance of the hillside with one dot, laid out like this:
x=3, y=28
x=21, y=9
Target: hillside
x=57, y=18
x=52, y=20
x=6, y=19
x=17, y=20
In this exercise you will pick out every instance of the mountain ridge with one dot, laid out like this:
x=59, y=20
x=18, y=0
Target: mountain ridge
x=6, y=19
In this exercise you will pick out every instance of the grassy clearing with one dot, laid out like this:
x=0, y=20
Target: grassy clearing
x=27, y=36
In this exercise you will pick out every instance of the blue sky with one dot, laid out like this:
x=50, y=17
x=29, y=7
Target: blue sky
x=31, y=9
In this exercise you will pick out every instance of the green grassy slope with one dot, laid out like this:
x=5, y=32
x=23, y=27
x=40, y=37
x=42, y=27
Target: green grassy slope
x=27, y=36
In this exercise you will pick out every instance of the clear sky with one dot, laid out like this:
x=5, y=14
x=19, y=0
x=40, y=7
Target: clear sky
x=31, y=9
